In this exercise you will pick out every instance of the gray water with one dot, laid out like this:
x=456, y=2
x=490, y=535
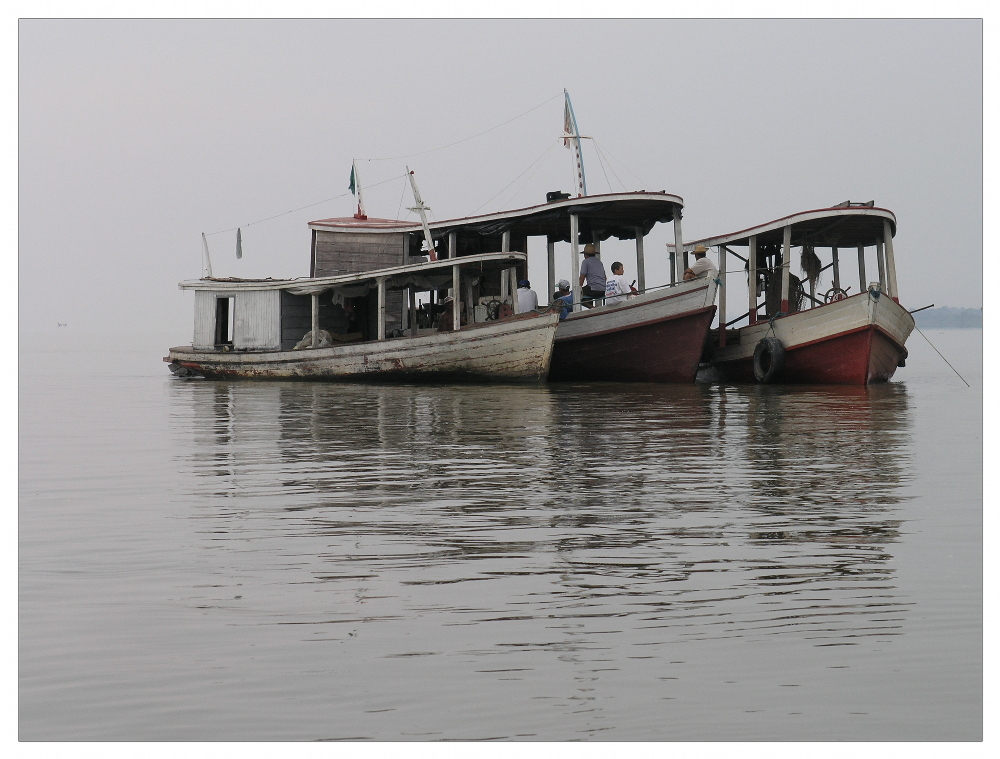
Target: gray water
x=306, y=561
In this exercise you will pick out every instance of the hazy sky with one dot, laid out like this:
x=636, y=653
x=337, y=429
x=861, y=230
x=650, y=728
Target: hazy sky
x=137, y=136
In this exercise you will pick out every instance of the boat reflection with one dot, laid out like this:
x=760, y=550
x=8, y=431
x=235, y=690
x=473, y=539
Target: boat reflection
x=678, y=511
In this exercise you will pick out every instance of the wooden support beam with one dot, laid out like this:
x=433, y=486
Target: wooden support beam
x=640, y=260
x=890, y=260
x=722, y=296
x=678, y=248
x=786, y=267
x=550, y=249
x=381, y=308
x=452, y=244
x=752, y=255
x=861, y=268
x=836, y=268
x=673, y=267
x=880, y=260
x=456, y=288
x=315, y=320
x=574, y=251
x=413, y=310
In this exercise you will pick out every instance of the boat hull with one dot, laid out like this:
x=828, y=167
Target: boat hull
x=513, y=350
x=655, y=337
x=857, y=341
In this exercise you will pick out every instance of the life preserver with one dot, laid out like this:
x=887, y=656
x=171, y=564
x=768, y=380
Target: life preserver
x=768, y=360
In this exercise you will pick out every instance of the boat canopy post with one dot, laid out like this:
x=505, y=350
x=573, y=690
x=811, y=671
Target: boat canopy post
x=722, y=295
x=880, y=259
x=504, y=274
x=836, y=267
x=678, y=273
x=890, y=260
x=861, y=268
x=452, y=244
x=550, y=246
x=413, y=310
x=786, y=267
x=574, y=249
x=456, y=288
x=315, y=320
x=381, y=308
x=640, y=261
x=752, y=282
x=673, y=268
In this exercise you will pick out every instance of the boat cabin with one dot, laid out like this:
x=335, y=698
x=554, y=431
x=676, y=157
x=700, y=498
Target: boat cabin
x=359, y=243
x=282, y=315
x=822, y=235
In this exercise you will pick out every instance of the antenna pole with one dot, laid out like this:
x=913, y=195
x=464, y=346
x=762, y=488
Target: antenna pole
x=422, y=210
x=572, y=135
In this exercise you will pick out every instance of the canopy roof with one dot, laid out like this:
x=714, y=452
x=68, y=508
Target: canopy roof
x=602, y=216
x=429, y=274
x=842, y=227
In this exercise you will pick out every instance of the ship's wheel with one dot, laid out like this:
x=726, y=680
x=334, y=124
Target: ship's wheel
x=834, y=294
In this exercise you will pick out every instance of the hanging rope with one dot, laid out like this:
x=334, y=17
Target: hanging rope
x=941, y=354
x=556, y=142
x=622, y=164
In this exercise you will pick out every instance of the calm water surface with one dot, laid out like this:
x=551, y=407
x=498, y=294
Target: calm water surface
x=252, y=560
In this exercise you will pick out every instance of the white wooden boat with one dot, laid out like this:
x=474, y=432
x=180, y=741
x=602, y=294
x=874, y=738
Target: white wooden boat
x=798, y=337
x=250, y=328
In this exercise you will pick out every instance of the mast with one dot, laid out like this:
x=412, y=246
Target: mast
x=422, y=210
x=571, y=135
x=356, y=185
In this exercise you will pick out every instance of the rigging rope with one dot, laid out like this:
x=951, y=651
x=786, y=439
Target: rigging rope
x=556, y=142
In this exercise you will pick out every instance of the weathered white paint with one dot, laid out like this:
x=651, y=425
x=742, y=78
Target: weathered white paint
x=861, y=268
x=513, y=349
x=678, y=273
x=257, y=320
x=574, y=252
x=204, y=320
x=505, y=242
x=640, y=260
x=413, y=310
x=752, y=283
x=673, y=267
x=890, y=261
x=452, y=244
x=836, y=268
x=786, y=266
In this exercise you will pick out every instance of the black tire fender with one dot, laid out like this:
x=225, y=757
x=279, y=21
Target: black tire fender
x=768, y=360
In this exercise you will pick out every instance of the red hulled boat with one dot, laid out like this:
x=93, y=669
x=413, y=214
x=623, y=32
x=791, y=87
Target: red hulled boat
x=794, y=336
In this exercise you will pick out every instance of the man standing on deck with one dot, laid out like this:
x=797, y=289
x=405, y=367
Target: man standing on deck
x=701, y=267
x=592, y=270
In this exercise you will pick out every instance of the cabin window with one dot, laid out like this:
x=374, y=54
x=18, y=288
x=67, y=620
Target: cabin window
x=224, y=321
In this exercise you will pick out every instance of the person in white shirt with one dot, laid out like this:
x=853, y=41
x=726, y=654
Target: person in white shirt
x=701, y=267
x=527, y=299
x=617, y=291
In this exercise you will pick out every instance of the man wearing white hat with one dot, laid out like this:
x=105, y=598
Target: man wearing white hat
x=701, y=267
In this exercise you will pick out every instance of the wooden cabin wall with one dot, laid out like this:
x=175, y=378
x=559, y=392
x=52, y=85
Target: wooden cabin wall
x=257, y=320
x=204, y=320
x=351, y=252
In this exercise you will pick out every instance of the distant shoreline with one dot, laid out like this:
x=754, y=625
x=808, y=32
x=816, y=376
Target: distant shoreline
x=946, y=317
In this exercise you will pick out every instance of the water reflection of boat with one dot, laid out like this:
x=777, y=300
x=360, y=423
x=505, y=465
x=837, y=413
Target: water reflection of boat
x=795, y=336
x=732, y=515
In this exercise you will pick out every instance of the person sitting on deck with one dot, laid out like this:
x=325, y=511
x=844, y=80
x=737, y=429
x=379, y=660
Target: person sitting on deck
x=702, y=266
x=592, y=270
x=527, y=299
x=616, y=290
x=446, y=321
x=564, y=299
